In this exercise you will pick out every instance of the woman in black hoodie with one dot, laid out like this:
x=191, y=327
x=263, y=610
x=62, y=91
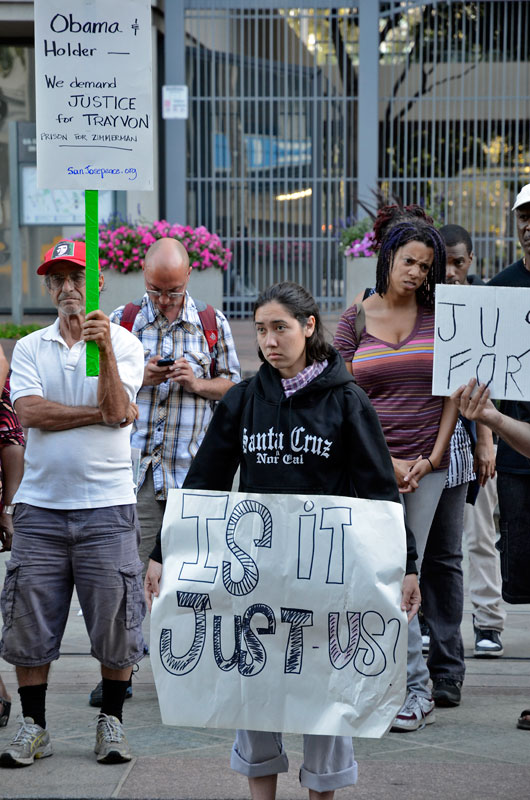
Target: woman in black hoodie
x=299, y=426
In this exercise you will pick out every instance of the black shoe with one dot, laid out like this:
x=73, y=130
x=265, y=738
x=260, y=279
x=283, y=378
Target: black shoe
x=446, y=692
x=487, y=644
x=95, y=697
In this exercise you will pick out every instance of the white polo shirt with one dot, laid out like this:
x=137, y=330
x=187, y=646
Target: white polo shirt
x=86, y=467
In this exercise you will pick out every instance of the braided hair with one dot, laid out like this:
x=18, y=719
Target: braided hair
x=388, y=216
x=412, y=230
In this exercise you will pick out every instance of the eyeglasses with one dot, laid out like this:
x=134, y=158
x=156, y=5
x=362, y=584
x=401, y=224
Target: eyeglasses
x=58, y=278
x=156, y=293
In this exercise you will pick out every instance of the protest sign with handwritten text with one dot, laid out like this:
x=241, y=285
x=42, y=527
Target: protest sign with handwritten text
x=280, y=613
x=482, y=332
x=94, y=94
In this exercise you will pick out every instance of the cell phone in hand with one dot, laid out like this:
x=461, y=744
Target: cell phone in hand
x=165, y=362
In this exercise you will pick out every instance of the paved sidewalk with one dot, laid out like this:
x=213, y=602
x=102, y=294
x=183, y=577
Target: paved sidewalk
x=470, y=753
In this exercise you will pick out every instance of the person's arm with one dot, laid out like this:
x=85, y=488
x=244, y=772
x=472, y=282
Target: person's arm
x=484, y=455
x=4, y=368
x=227, y=367
x=152, y=579
x=113, y=400
x=12, y=461
x=410, y=595
x=478, y=406
x=210, y=388
x=345, y=340
x=432, y=460
x=27, y=395
x=37, y=412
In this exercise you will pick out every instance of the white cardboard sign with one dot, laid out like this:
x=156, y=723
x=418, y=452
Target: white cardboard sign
x=482, y=332
x=94, y=94
x=280, y=613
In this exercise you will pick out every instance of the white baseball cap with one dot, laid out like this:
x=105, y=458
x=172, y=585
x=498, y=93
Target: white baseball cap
x=523, y=197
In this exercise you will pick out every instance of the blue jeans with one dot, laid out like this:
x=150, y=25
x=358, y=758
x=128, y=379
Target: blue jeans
x=442, y=585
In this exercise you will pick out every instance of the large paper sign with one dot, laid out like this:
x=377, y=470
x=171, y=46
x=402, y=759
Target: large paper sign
x=484, y=333
x=280, y=613
x=94, y=94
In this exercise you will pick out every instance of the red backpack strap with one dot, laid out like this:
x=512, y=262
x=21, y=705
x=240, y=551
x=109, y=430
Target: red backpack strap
x=209, y=327
x=130, y=312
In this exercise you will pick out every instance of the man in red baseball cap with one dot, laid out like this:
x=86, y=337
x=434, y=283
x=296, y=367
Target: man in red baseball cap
x=75, y=518
x=65, y=251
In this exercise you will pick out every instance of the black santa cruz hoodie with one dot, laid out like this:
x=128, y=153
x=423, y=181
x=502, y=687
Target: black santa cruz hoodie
x=324, y=439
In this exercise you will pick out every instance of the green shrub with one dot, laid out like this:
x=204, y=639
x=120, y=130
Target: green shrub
x=10, y=331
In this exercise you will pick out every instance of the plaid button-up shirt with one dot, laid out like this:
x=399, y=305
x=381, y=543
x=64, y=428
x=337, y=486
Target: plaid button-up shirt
x=172, y=422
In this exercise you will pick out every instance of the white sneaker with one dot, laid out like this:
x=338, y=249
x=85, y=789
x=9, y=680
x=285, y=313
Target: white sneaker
x=111, y=744
x=416, y=712
x=30, y=742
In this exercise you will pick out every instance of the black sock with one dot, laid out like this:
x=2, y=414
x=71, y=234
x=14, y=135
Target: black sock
x=114, y=697
x=33, y=700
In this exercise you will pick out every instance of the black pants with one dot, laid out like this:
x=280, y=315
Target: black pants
x=514, y=542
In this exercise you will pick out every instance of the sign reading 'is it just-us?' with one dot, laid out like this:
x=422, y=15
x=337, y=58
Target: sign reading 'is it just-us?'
x=280, y=613
x=94, y=94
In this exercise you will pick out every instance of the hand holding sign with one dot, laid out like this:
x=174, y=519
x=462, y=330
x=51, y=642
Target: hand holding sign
x=473, y=401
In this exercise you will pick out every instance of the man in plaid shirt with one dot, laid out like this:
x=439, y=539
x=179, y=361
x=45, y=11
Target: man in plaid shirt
x=176, y=401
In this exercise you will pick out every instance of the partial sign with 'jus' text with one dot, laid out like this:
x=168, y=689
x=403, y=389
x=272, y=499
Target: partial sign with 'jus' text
x=94, y=94
x=484, y=333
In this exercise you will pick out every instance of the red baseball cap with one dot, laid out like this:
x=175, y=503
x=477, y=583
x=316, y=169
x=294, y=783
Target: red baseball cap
x=67, y=250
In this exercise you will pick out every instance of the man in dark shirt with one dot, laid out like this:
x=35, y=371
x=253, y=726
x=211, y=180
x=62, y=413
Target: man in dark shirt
x=513, y=482
x=476, y=405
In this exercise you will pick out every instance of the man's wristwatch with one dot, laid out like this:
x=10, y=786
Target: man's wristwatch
x=9, y=509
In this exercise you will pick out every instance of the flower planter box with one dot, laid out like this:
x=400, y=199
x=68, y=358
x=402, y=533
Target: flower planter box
x=121, y=288
x=207, y=285
x=359, y=274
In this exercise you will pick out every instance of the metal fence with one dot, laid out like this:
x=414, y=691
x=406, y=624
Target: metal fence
x=270, y=161
x=454, y=132
x=273, y=147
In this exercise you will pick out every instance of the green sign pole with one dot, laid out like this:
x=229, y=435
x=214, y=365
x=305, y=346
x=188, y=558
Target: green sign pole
x=92, y=272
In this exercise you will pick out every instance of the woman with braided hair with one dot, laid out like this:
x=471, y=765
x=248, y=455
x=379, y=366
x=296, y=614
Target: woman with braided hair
x=390, y=356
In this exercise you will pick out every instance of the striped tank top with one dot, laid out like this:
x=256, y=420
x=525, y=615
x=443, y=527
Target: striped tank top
x=398, y=380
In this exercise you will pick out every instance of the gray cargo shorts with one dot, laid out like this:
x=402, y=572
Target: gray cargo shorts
x=93, y=549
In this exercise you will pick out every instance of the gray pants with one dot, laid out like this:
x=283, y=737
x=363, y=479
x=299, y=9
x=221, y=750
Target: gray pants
x=328, y=760
x=420, y=507
x=150, y=515
x=93, y=549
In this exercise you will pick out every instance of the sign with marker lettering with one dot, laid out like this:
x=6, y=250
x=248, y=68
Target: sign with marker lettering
x=280, y=613
x=94, y=94
x=484, y=333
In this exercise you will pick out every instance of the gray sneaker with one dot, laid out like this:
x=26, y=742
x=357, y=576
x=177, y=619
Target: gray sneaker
x=111, y=744
x=30, y=742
